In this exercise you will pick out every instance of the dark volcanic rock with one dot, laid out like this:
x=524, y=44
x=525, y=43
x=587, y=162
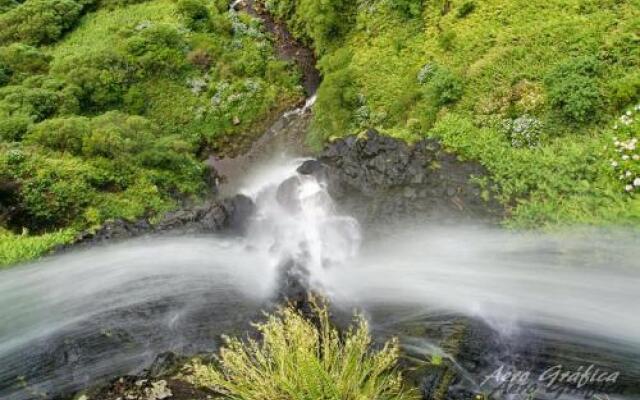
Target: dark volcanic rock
x=380, y=179
x=230, y=215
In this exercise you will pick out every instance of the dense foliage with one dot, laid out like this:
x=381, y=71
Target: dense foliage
x=108, y=107
x=530, y=88
x=297, y=358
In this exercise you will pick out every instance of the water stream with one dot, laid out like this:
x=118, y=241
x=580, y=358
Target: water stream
x=73, y=319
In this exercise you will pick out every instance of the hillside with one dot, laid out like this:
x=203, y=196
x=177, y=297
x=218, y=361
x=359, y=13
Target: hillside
x=538, y=91
x=107, y=109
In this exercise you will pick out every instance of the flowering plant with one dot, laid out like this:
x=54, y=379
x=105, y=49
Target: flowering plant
x=626, y=162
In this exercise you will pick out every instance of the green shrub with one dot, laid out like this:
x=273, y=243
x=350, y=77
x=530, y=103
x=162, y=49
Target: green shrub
x=116, y=135
x=38, y=21
x=13, y=128
x=444, y=87
x=57, y=192
x=35, y=103
x=6, y=5
x=337, y=98
x=24, y=60
x=19, y=248
x=466, y=8
x=158, y=49
x=194, y=13
x=297, y=359
x=60, y=134
x=97, y=80
x=573, y=89
x=325, y=22
x=407, y=8
x=5, y=73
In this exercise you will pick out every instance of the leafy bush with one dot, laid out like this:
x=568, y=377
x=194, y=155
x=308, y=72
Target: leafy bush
x=116, y=135
x=444, y=87
x=57, y=192
x=194, y=13
x=296, y=359
x=573, y=89
x=61, y=134
x=337, y=98
x=97, y=80
x=15, y=248
x=35, y=103
x=158, y=49
x=38, y=21
x=5, y=73
x=466, y=8
x=24, y=60
x=325, y=21
x=407, y=8
x=6, y=5
x=13, y=128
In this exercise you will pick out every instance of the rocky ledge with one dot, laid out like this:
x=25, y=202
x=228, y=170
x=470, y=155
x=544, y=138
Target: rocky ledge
x=213, y=216
x=379, y=179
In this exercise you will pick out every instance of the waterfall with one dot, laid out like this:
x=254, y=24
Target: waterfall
x=72, y=319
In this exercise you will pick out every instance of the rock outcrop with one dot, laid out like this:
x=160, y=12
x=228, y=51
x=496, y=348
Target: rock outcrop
x=227, y=215
x=380, y=179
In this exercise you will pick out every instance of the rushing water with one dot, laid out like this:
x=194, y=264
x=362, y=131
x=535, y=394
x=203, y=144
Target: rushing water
x=76, y=318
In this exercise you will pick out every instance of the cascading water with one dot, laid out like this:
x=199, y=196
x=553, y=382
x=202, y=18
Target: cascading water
x=73, y=319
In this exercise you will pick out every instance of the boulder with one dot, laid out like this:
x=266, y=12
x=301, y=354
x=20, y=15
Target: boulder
x=379, y=179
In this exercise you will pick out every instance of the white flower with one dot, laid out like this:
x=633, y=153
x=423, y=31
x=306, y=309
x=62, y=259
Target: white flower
x=625, y=157
x=614, y=164
x=628, y=174
x=636, y=157
x=616, y=143
x=628, y=188
x=629, y=113
x=636, y=182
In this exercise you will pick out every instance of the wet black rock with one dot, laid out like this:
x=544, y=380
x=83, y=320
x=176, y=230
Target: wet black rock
x=214, y=216
x=380, y=179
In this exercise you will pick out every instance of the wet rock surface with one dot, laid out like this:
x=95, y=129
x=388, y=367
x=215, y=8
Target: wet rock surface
x=383, y=180
x=214, y=216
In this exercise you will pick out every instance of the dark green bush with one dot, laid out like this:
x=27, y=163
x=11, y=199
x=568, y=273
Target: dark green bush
x=117, y=135
x=466, y=8
x=573, y=89
x=61, y=134
x=325, y=22
x=24, y=59
x=444, y=87
x=38, y=21
x=5, y=73
x=159, y=49
x=35, y=103
x=56, y=193
x=407, y=8
x=6, y=5
x=194, y=13
x=97, y=81
x=337, y=97
x=13, y=128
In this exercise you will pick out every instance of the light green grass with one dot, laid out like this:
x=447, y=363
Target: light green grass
x=509, y=59
x=296, y=358
x=19, y=248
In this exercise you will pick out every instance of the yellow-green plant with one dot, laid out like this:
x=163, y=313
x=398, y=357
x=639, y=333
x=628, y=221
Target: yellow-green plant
x=297, y=359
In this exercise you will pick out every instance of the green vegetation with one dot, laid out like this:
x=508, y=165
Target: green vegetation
x=300, y=359
x=107, y=109
x=530, y=89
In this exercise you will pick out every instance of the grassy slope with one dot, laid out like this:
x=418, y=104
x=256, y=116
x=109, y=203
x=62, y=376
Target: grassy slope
x=58, y=188
x=501, y=53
